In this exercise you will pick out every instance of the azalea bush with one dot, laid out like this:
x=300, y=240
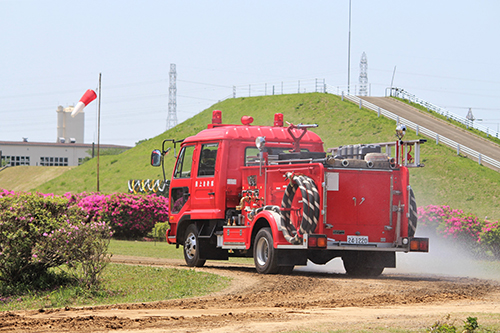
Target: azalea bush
x=38, y=232
x=478, y=235
x=490, y=237
x=41, y=231
x=129, y=216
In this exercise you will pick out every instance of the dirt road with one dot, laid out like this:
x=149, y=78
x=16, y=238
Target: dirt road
x=273, y=303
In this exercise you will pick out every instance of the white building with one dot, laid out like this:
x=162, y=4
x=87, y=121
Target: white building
x=70, y=129
x=68, y=150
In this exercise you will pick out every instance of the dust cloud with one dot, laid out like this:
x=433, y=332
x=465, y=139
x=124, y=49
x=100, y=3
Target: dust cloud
x=445, y=258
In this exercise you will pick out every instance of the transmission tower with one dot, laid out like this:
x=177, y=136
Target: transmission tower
x=470, y=116
x=172, y=104
x=363, y=76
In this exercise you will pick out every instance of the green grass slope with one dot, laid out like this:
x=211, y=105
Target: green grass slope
x=25, y=178
x=447, y=179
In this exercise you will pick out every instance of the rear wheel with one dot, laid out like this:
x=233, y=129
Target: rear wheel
x=412, y=221
x=191, y=247
x=264, y=254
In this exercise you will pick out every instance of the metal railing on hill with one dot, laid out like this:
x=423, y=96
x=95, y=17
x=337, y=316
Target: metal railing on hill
x=401, y=93
x=279, y=88
x=480, y=158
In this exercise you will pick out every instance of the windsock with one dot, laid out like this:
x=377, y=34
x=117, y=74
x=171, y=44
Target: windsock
x=88, y=97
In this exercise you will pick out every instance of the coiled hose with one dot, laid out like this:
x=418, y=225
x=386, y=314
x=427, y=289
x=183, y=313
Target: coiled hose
x=311, y=208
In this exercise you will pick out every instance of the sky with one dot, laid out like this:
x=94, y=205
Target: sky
x=444, y=52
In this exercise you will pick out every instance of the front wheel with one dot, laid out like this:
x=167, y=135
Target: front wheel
x=264, y=254
x=192, y=247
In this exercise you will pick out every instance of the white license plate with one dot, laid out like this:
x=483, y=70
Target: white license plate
x=357, y=239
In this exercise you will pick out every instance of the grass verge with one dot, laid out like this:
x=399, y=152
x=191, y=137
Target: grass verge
x=122, y=284
x=155, y=250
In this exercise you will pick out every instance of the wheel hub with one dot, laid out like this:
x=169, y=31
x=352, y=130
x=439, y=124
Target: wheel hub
x=262, y=251
x=190, y=246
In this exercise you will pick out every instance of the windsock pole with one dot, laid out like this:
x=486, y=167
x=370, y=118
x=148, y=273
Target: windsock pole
x=98, y=130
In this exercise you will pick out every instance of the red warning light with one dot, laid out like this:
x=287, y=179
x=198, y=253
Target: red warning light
x=216, y=117
x=278, y=120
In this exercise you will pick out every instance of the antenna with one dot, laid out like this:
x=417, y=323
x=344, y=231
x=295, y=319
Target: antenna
x=172, y=103
x=363, y=75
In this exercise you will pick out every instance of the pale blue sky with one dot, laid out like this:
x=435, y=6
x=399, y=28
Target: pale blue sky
x=52, y=51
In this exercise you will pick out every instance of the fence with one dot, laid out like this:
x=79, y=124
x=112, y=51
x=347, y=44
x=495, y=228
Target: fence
x=422, y=130
x=279, y=88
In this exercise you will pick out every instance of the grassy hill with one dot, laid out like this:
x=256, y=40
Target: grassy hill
x=446, y=178
x=25, y=178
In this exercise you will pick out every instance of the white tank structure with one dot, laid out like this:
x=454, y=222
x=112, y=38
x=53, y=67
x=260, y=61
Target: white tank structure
x=70, y=129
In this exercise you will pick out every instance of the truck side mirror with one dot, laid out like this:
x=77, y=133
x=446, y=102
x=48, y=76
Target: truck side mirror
x=156, y=158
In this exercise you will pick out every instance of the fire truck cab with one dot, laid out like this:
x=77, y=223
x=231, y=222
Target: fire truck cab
x=274, y=194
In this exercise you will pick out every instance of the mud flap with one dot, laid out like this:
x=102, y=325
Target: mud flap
x=292, y=257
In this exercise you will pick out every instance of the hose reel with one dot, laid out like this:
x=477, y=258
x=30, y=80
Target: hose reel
x=310, y=211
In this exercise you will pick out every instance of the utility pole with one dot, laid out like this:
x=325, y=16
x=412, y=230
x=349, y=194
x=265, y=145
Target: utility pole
x=349, y=53
x=172, y=103
x=363, y=75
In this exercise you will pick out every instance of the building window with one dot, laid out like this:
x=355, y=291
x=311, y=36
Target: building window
x=53, y=161
x=15, y=160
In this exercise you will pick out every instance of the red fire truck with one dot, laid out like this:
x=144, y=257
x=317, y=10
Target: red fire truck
x=274, y=194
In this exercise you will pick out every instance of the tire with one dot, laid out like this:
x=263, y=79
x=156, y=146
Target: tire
x=264, y=254
x=413, y=219
x=191, y=247
x=358, y=265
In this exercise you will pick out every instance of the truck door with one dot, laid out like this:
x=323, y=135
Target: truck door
x=205, y=181
x=359, y=204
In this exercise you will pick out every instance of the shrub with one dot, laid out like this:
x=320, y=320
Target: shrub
x=129, y=216
x=40, y=231
x=490, y=237
x=478, y=235
x=160, y=231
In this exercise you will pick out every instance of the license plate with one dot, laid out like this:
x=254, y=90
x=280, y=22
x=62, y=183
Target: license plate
x=357, y=239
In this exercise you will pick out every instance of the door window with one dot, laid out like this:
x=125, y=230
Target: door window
x=207, y=159
x=184, y=163
x=179, y=197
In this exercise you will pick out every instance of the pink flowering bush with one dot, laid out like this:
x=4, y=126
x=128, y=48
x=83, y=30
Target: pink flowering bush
x=490, y=237
x=464, y=228
x=129, y=216
x=40, y=231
